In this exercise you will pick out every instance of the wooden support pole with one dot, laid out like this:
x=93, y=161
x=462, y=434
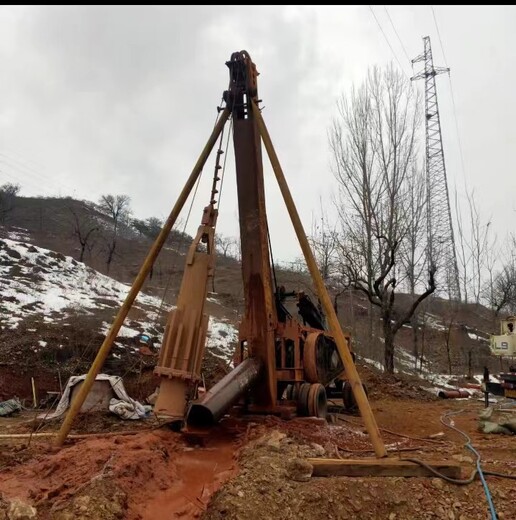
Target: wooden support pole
x=138, y=282
x=351, y=371
x=381, y=468
x=34, y=398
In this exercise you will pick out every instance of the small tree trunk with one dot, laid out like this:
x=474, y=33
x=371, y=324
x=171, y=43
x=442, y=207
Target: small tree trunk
x=422, y=346
x=448, y=346
x=370, y=331
x=449, y=357
x=389, y=345
x=111, y=254
x=414, y=323
x=352, y=312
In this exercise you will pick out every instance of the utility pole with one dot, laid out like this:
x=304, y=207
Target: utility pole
x=441, y=242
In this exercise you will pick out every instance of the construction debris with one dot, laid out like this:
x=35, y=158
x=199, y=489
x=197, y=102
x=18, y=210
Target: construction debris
x=9, y=407
x=495, y=421
x=108, y=393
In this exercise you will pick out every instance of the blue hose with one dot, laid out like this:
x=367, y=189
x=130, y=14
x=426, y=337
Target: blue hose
x=468, y=445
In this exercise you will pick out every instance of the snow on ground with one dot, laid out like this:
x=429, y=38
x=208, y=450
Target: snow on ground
x=18, y=233
x=432, y=321
x=222, y=337
x=476, y=337
x=404, y=362
x=37, y=281
x=372, y=362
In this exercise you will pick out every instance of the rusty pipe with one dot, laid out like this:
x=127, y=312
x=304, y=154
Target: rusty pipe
x=453, y=394
x=225, y=393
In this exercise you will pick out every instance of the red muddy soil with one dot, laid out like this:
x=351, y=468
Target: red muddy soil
x=158, y=473
x=240, y=470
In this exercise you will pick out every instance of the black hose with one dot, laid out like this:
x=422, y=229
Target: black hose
x=460, y=482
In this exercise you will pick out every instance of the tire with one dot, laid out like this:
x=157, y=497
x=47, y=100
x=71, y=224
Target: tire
x=317, y=401
x=348, y=398
x=302, y=400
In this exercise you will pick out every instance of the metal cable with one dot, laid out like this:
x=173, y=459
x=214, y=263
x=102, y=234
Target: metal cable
x=388, y=42
x=396, y=32
x=478, y=468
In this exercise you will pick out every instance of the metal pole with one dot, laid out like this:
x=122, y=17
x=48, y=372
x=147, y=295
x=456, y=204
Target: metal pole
x=351, y=371
x=138, y=282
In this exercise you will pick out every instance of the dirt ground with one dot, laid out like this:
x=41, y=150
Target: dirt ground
x=253, y=468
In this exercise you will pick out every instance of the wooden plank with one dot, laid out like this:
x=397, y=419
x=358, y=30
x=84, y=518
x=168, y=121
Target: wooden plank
x=73, y=435
x=381, y=468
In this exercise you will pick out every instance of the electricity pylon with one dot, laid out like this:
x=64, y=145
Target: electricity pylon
x=441, y=242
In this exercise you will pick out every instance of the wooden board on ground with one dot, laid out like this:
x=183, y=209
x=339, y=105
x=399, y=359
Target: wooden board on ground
x=381, y=468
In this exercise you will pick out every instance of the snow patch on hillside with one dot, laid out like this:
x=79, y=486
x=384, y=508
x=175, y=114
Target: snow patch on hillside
x=405, y=363
x=37, y=281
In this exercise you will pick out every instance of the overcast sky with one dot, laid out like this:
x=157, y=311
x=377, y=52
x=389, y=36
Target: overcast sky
x=113, y=99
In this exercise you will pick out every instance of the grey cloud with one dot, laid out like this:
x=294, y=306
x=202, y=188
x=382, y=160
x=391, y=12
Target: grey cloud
x=118, y=99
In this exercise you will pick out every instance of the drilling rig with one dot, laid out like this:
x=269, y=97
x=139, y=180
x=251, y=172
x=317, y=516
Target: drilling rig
x=283, y=366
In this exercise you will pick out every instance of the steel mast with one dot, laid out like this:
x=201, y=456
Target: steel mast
x=440, y=237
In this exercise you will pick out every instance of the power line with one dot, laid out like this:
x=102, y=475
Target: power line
x=387, y=40
x=396, y=32
x=27, y=171
x=459, y=141
x=439, y=36
x=457, y=130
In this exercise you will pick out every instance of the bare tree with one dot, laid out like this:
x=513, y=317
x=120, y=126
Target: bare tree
x=478, y=245
x=226, y=246
x=8, y=194
x=413, y=247
x=117, y=207
x=464, y=257
x=84, y=228
x=503, y=295
x=373, y=141
x=491, y=261
x=324, y=240
x=150, y=227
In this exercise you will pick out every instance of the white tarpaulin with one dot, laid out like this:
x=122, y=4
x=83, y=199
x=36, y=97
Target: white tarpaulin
x=124, y=406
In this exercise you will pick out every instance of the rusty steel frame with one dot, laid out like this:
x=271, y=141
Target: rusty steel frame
x=260, y=319
x=260, y=328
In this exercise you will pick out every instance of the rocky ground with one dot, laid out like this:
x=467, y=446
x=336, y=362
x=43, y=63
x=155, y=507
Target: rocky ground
x=253, y=468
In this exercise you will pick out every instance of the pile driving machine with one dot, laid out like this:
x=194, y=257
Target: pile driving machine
x=283, y=366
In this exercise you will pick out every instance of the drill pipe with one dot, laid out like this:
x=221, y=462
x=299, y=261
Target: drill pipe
x=225, y=393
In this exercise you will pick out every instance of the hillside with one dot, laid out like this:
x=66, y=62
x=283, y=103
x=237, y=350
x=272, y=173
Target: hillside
x=46, y=292
x=54, y=314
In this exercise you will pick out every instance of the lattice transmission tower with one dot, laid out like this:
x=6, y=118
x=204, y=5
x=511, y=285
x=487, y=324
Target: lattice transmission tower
x=441, y=241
